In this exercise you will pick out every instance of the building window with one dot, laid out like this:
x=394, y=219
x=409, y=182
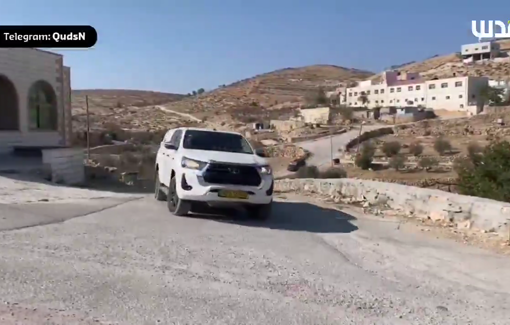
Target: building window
x=398, y=100
x=418, y=87
x=447, y=97
x=460, y=96
x=423, y=99
x=382, y=100
x=416, y=100
x=350, y=104
x=461, y=105
x=392, y=90
x=410, y=88
x=356, y=94
x=391, y=101
x=432, y=86
x=382, y=91
x=433, y=98
x=399, y=89
x=350, y=94
x=368, y=92
x=485, y=47
x=458, y=84
x=376, y=91
x=444, y=85
x=376, y=101
x=476, y=48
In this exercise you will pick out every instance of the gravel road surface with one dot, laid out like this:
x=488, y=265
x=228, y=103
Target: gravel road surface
x=134, y=263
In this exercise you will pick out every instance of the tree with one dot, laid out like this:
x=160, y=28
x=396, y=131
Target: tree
x=346, y=113
x=416, y=149
x=194, y=93
x=398, y=162
x=365, y=157
x=427, y=163
x=474, y=151
x=491, y=95
x=488, y=176
x=442, y=146
x=391, y=149
x=317, y=97
x=363, y=98
x=201, y=91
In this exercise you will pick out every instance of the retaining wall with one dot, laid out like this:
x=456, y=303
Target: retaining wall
x=465, y=211
x=65, y=165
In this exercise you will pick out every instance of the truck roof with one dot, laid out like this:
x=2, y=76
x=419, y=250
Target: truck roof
x=209, y=130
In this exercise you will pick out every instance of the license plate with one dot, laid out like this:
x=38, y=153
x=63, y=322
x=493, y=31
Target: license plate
x=233, y=194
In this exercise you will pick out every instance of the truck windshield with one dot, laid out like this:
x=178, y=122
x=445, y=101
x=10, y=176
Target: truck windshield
x=216, y=141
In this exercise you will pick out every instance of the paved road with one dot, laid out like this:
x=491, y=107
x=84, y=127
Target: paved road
x=321, y=148
x=134, y=263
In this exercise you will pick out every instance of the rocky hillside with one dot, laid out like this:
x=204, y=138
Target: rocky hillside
x=270, y=89
x=131, y=109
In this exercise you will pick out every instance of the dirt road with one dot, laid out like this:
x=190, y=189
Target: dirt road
x=132, y=262
x=323, y=148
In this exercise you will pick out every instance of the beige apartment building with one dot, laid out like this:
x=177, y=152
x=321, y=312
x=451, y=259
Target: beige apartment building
x=401, y=89
x=35, y=93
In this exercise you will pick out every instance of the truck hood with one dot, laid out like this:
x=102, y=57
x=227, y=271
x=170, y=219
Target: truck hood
x=228, y=157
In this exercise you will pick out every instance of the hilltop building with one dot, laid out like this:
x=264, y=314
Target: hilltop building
x=399, y=89
x=479, y=51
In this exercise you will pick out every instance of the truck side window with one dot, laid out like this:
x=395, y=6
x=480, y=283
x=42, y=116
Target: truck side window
x=176, y=138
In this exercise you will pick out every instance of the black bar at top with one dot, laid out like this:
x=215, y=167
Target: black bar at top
x=48, y=36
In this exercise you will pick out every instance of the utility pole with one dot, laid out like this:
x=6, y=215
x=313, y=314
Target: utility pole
x=359, y=136
x=331, y=146
x=88, y=126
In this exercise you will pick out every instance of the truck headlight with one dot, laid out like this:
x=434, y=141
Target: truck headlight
x=266, y=170
x=192, y=164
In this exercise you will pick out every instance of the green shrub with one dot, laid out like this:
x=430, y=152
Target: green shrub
x=308, y=172
x=391, y=149
x=488, y=176
x=427, y=163
x=398, y=162
x=334, y=172
x=416, y=149
x=442, y=146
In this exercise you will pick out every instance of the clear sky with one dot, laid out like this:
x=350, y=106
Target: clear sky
x=182, y=45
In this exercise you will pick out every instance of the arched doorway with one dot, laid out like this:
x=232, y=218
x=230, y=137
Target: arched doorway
x=9, y=107
x=42, y=107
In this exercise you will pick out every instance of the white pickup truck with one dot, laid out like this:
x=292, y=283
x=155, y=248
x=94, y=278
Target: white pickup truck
x=197, y=166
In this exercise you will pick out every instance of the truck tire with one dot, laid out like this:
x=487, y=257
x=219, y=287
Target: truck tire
x=176, y=206
x=260, y=212
x=158, y=193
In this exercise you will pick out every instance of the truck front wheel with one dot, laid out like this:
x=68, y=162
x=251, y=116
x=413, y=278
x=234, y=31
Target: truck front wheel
x=176, y=206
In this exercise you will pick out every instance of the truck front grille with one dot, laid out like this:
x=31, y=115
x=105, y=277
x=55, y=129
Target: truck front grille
x=221, y=173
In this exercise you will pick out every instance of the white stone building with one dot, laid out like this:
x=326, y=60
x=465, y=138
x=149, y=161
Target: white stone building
x=35, y=93
x=409, y=89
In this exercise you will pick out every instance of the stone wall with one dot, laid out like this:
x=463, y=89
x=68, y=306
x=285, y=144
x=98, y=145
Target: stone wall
x=465, y=211
x=65, y=165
